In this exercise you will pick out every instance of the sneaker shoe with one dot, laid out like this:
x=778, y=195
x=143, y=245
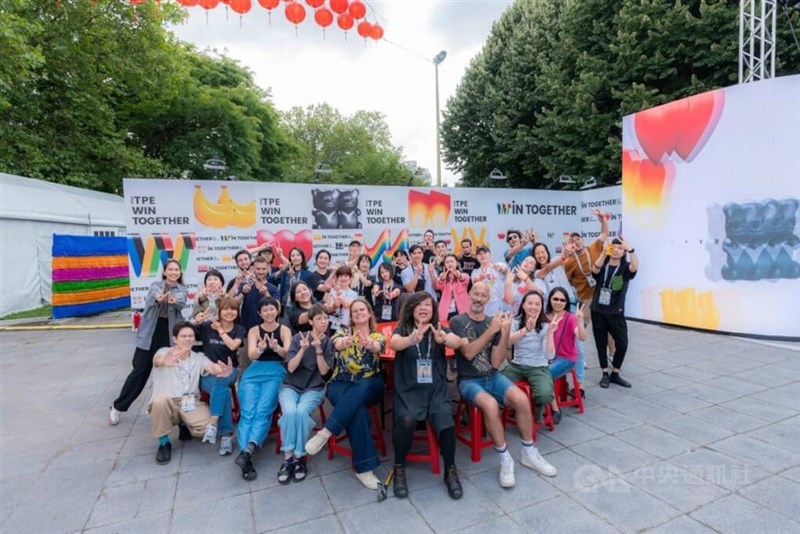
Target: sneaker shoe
x=507, y=479
x=183, y=433
x=245, y=462
x=454, y=489
x=556, y=416
x=164, y=454
x=530, y=457
x=604, y=381
x=317, y=441
x=211, y=435
x=113, y=416
x=369, y=479
x=299, y=470
x=226, y=446
x=618, y=380
x=286, y=471
x=400, y=482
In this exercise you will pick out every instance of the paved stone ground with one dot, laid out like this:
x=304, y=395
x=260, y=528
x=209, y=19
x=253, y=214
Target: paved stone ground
x=706, y=440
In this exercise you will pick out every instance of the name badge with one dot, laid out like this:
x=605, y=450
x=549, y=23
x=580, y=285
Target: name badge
x=386, y=312
x=452, y=306
x=424, y=371
x=336, y=322
x=591, y=281
x=188, y=403
x=605, y=296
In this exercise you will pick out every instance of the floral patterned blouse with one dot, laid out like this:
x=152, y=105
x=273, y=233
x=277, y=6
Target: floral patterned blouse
x=354, y=363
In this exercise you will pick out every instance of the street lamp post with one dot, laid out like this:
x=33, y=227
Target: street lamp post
x=437, y=60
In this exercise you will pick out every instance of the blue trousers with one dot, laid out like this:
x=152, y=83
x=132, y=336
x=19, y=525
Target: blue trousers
x=560, y=366
x=258, y=396
x=350, y=401
x=296, y=422
x=219, y=399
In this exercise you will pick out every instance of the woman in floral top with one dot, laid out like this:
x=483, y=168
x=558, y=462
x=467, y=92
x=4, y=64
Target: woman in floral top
x=356, y=384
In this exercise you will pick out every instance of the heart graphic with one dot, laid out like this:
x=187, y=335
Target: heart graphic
x=501, y=236
x=190, y=295
x=286, y=239
x=647, y=187
x=682, y=127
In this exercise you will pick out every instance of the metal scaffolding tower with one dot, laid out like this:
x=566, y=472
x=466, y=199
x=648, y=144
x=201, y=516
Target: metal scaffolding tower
x=757, y=20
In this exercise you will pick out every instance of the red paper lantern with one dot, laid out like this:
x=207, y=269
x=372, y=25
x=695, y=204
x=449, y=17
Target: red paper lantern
x=339, y=6
x=357, y=9
x=345, y=21
x=269, y=4
x=315, y=3
x=295, y=13
x=324, y=17
x=364, y=29
x=208, y=4
x=377, y=32
x=241, y=6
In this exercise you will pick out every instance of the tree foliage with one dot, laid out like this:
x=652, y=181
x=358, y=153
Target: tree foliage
x=357, y=149
x=547, y=93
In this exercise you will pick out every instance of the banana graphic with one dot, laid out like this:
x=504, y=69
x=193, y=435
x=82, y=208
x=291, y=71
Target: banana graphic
x=209, y=214
x=225, y=212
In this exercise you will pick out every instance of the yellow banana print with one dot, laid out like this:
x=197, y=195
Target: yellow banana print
x=209, y=214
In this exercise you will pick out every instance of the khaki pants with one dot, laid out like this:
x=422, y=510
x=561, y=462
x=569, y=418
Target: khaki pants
x=165, y=413
x=587, y=312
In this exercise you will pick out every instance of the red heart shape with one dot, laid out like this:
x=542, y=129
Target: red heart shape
x=190, y=295
x=501, y=236
x=656, y=129
x=287, y=240
x=700, y=117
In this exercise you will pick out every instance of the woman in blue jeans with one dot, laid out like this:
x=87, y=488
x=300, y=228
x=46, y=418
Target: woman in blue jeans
x=355, y=385
x=267, y=345
x=221, y=338
x=568, y=333
x=310, y=356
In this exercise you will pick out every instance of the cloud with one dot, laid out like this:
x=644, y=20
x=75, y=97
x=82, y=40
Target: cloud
x=396, y=79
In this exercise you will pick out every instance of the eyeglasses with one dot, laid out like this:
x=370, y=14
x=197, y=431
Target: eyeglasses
x=558, y=300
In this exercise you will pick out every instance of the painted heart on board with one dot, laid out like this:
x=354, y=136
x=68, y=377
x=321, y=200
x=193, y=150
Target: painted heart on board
x=287, y=240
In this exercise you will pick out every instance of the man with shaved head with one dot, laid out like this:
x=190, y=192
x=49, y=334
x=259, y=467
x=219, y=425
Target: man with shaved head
x=484, y=346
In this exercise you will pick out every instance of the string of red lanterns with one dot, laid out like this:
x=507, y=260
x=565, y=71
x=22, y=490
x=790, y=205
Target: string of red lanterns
x=346, y=13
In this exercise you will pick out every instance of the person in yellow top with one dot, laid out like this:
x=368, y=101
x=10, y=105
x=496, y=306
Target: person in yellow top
x=355, y=384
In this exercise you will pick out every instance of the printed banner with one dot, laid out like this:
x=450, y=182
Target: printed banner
x=203, y=224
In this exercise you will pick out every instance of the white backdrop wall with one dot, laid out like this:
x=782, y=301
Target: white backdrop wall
x=710, y=188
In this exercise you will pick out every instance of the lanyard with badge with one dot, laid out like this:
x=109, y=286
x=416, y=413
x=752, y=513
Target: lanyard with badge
x=188, y=400
x=605, y=291
x=386, y=308
x=589, y=279
x=425, y=365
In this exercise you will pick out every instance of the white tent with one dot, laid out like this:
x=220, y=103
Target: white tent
x=31, y=211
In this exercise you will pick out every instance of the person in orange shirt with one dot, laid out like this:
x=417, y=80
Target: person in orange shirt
x=578, y=261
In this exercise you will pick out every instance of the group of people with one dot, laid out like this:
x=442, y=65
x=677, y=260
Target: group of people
x=292, y=336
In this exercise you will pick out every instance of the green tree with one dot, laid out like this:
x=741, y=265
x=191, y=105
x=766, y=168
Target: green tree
x=357, y=149
x=547, y=93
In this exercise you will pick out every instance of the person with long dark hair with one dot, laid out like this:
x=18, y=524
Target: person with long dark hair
x=302, y=300
x=292, y=270
x=321, y=279
x=356, y=384
x=532, y=339
x=453, y=286
x=385, y=294
x=569, y=330
x=162, y=311
x=420, y=388
x=362, y=279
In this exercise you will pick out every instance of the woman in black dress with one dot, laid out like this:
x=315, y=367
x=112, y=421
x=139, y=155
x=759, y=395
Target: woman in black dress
x=420, y=388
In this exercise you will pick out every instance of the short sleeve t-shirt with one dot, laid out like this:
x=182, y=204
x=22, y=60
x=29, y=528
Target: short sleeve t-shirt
x=530, y=350
x=579, y=269
x=316, y=279
x=481, y=365
x=214, y=347
x=615, y=278
x=177, y=381
x=468, y=264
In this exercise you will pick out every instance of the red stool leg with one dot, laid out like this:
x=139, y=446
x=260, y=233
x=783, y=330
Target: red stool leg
x=236, y=409
x=577, y=387
x=477, y=433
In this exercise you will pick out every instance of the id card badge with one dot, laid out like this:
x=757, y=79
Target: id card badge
x=386, y=312
x=188, y=403
x=336, y=322
x=605, y=296
x=424, y=371
x=591, y=281
x=452, y=306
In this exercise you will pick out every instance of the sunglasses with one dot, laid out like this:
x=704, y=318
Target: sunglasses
x=558, y=299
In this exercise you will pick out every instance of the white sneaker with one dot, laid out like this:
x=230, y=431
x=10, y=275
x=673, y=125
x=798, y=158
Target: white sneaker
x=317, y=441
x=530, y=457
x=211, y=434
x=369, y=479
x=226, y=446
x=507, y=479
x=113, y=416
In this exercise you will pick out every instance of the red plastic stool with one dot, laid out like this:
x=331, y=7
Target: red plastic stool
x=375, y=414
x=561, y=391
x=471, y=434
x=508, y=418
x=236, y=410
x=433, y=449
x=279, y=413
